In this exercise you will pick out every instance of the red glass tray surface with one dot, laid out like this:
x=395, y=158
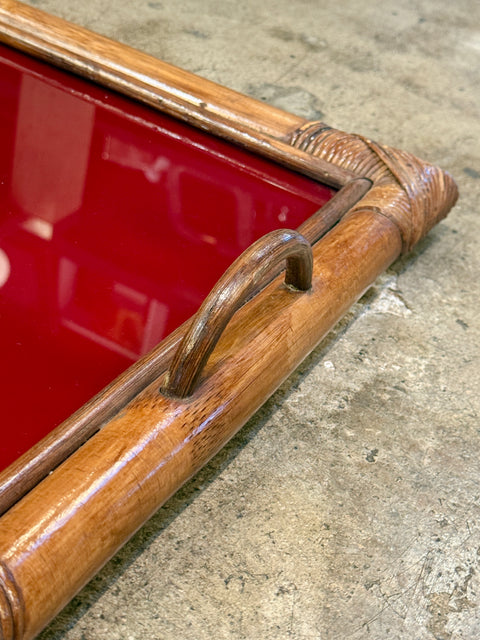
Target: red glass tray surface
x=115, y=222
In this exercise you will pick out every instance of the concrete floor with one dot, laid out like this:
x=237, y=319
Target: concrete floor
x=349, y=506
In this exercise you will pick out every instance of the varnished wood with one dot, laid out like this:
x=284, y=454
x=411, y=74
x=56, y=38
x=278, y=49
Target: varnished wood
x=143, y=455
x=154, y=443
x=325, y=218
x=46, y=455
x=205, y=104
x=244, y=278
x=42, y=458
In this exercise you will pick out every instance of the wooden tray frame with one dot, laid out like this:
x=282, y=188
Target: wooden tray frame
x=132, y=446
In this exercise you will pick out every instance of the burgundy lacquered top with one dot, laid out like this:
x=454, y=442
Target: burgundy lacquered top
x=115, y=222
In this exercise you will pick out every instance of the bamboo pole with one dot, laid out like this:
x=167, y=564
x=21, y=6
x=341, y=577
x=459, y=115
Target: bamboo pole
x=103, y=492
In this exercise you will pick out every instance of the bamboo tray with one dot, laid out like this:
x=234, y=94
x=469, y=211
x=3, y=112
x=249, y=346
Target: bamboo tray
x=135, y=443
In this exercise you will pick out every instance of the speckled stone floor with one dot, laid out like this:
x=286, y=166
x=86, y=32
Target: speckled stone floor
x=348, y=507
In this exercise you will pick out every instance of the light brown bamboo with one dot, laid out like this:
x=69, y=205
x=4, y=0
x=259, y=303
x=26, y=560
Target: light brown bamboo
x=36, y=463
x=100, y=496
x=96, y=499
x=241, y=281
x=205, y=104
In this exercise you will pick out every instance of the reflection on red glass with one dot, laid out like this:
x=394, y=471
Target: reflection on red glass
x=115, y=222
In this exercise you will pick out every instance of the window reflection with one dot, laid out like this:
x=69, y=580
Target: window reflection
x=53, y=132
x=115, y=222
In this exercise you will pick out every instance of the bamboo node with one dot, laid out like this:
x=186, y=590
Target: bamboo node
x=12, y=607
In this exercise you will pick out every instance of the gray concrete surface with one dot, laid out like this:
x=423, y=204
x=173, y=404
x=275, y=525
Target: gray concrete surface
x=349, y=506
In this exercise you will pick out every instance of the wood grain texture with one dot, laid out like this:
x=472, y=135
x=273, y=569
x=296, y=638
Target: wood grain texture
x=100, y=495
x=412, y=193
x=46, y=455
x=243, y=279
x=206, y=105
x=325, y=218
x=12, y=606
x=103, y=492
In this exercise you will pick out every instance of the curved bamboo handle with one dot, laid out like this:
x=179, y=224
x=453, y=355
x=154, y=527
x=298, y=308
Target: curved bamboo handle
x=239, y=283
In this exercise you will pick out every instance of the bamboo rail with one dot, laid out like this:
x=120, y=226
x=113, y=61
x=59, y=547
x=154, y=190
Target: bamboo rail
x=140, y=447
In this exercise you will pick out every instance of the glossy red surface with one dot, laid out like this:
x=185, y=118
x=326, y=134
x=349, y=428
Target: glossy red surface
x=115, y=222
